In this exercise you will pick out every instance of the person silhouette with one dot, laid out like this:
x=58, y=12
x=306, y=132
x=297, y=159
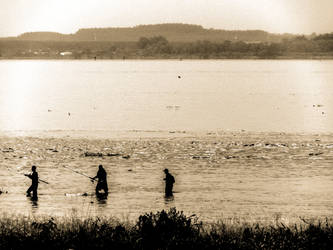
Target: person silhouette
x=169, y=181
x=34, y=183
x=102, y=183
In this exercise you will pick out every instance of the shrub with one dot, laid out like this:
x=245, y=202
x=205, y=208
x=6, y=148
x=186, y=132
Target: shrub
x=170, y=229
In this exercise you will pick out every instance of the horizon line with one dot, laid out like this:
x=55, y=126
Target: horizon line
x=131, y=27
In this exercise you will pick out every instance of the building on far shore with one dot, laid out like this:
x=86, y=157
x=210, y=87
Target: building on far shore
x=66, y=53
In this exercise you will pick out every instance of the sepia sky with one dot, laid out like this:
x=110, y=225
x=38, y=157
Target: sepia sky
x=67, y=16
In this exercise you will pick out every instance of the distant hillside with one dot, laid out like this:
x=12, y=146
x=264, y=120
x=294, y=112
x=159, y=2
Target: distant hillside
x=172, y=32
x=44, y=36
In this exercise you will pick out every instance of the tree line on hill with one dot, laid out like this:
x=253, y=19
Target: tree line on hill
x=159, y=47
x=319, y=45
x=174, y=32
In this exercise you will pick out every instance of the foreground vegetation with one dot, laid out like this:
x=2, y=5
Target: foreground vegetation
x=161, y=230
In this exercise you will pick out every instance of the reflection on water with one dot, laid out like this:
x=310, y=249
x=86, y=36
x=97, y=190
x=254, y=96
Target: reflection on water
x=147, y=119
x=254, y=95
x=102, y=199
x=169, y=200
x=243, y=175
x=34, y=204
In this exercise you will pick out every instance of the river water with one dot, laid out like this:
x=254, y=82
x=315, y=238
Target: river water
x=244, y=139
x=292, y=96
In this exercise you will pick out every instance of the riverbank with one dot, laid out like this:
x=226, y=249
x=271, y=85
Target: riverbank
x=160, y=48
x=295, y=56
x=170, y=229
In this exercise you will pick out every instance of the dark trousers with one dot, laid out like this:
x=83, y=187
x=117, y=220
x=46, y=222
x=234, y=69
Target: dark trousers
x=102, y=186
x=32, y=188
x=168, y=190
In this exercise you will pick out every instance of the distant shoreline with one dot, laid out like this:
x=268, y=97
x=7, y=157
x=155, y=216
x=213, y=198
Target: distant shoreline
x=159, y=45
x=307, y=57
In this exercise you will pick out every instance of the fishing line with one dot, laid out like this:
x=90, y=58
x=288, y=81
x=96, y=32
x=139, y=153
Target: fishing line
x=77, y=172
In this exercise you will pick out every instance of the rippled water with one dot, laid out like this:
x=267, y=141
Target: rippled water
x=183, y=115
x=227, y=175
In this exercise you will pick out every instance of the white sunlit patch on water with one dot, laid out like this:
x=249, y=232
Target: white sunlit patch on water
x=20, y=91
x=251, y=95
x=312, y=96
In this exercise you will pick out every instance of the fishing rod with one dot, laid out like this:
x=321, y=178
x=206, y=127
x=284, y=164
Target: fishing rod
x=43, y=181
x=39, y=180
x=20, y=172
x=92, y=179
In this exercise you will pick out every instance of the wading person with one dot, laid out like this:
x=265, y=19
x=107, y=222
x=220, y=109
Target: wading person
x=34, y=182
x=169, y=181
x=102, y=183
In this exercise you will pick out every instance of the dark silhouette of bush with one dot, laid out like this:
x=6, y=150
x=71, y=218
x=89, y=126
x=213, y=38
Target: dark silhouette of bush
x=169, y=230
x=161, y=230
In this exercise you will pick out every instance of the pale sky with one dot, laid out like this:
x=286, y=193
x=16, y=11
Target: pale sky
x=67, y=16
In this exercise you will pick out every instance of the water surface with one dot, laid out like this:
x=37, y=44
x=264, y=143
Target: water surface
x=275, y=163
x=256, y=177
x=254, y=95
